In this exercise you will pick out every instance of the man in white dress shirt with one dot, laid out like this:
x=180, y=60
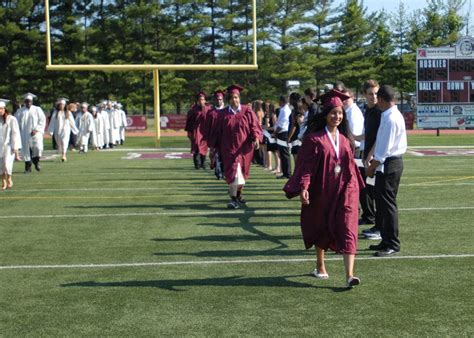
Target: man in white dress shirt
x=355, y=118
x=32, y=121
x=281, y=133
x=390, y=145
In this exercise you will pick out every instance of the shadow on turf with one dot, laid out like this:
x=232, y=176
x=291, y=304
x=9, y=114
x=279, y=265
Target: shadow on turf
x=225, y=238
x=180, y=284
x=240, y=253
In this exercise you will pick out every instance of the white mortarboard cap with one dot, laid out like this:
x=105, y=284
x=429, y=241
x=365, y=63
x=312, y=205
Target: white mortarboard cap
x=29, y=96
x=3, y=103
x=62, y=100
x=85, y=104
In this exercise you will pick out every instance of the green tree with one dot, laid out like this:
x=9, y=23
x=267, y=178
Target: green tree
x=317, y=35
x=352, y=66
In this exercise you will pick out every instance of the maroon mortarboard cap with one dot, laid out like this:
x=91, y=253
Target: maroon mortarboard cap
x=332, y=98
x=201, y=94
x=219, y=93
x=234, y=89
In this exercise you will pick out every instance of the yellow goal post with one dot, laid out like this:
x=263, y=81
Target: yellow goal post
x=151, y=67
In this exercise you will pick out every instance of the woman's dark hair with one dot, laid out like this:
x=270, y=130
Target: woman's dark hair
x=266, y=107
x=257, y=105
x=318, y=121
x=5, y=115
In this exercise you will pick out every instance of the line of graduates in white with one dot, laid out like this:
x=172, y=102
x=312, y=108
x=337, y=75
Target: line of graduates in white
x=103, y=127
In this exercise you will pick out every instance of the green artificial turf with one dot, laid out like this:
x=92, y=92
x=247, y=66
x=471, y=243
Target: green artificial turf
x=441, y=140
x=111, y=210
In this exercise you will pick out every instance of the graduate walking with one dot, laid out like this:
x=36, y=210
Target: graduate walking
x=62, y=126
x=86, y=126
x=236, y=135
x=328, y=181
x=10, y=142
x=196, y=127
x=211, y=120
x=32, y=122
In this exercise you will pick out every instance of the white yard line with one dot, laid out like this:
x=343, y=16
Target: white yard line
x=214, y=262
x=252, y=190
x=208, y=213
x=440, y=147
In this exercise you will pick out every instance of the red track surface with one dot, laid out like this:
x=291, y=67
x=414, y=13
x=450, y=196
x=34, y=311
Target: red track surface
x=410, y=132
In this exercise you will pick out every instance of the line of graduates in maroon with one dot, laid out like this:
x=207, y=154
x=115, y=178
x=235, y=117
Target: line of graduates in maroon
x=232, y=132
x=326, y=176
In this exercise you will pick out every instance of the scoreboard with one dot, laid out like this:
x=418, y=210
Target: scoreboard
x=445, y=86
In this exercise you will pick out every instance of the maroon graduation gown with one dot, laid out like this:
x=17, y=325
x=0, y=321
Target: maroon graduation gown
x=196, y=128
x=211, y=122
x=233, y=135
x=330, y=221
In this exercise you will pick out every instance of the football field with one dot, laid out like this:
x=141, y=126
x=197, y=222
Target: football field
x=136, y=242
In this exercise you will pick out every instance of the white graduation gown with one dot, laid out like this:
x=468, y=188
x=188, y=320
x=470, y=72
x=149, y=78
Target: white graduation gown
x=123, y=124
x=98, y=132
x=60, y=127
x=29, y=120
x=85, y=125
x=106, y=127
x=114, y=132
x=10, y=141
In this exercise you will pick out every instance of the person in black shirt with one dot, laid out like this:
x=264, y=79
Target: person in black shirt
x=309, y=97
x=371, y=126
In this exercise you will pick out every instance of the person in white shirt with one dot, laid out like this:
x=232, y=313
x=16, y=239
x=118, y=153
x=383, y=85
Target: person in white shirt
x=10, y=142
x=387, y=163
x=355, y=118
x=281, y=133
x=32, y=122
x=85, y=124
x=62, y=125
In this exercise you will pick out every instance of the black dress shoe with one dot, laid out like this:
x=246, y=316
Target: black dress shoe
x=241, y=200
x=365, y=221
x=283, y=177
x=377, y=247
x=386, y=253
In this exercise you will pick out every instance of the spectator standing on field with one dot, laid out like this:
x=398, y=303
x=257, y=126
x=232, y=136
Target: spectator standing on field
x=387, y=166
x=281, y=134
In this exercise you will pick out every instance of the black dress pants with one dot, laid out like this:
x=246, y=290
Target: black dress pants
x=284, y=155
x=386, y=189
x=367, y=200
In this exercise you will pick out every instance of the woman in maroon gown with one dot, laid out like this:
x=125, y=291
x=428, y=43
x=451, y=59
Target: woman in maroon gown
x=196, y=128
x=327, y=180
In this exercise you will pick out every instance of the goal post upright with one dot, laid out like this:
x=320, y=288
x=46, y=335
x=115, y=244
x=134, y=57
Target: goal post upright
x=156, y=106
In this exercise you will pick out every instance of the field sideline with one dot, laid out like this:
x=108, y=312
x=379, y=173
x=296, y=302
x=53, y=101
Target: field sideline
x=103, y=246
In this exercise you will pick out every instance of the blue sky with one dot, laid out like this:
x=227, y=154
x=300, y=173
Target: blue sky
x=410, y=5
x=391, y=5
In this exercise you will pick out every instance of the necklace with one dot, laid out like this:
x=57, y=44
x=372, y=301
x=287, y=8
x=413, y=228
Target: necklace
x=335, y=144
